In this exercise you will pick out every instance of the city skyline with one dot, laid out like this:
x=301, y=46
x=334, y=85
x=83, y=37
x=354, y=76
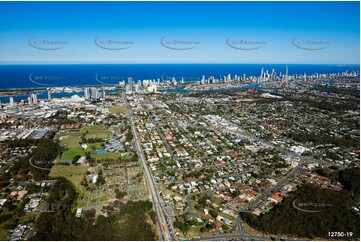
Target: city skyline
x=180, y=121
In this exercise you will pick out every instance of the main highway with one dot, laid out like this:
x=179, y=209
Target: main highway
x=164, y=224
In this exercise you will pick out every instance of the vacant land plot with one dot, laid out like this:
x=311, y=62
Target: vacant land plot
x=74, y=174
x=118, y=109
x=106, y=156
x=95, y=131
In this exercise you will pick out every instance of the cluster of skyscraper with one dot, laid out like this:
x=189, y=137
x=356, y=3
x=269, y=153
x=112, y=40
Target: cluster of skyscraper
x=266, y=76
x=94, y=94
x=32, y=100
x=227, y=78
x=149, y=86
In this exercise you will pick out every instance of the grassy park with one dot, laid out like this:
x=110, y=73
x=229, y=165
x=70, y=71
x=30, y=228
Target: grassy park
x=74, y=174
x=71, y=140
x=118, y=109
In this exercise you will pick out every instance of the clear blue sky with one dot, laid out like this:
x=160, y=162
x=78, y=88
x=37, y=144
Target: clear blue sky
x=275, y=24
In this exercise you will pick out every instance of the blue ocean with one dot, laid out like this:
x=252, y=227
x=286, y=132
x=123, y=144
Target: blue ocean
x=14, y=76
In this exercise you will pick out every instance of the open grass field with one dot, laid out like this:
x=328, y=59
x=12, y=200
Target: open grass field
x=92, y=128
x=96, y=131
x=107, y=155
x=74, y=174
x=118, y=109
x=71, y=139
x=69, y=154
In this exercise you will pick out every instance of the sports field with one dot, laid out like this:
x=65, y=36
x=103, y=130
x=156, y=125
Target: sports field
x=71, y=140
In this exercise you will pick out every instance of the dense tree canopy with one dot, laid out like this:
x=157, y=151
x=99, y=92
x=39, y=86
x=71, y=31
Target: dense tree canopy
x=128, y=222
x=337, y=211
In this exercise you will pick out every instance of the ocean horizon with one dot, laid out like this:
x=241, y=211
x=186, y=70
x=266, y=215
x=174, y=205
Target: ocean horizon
x=22, y=76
